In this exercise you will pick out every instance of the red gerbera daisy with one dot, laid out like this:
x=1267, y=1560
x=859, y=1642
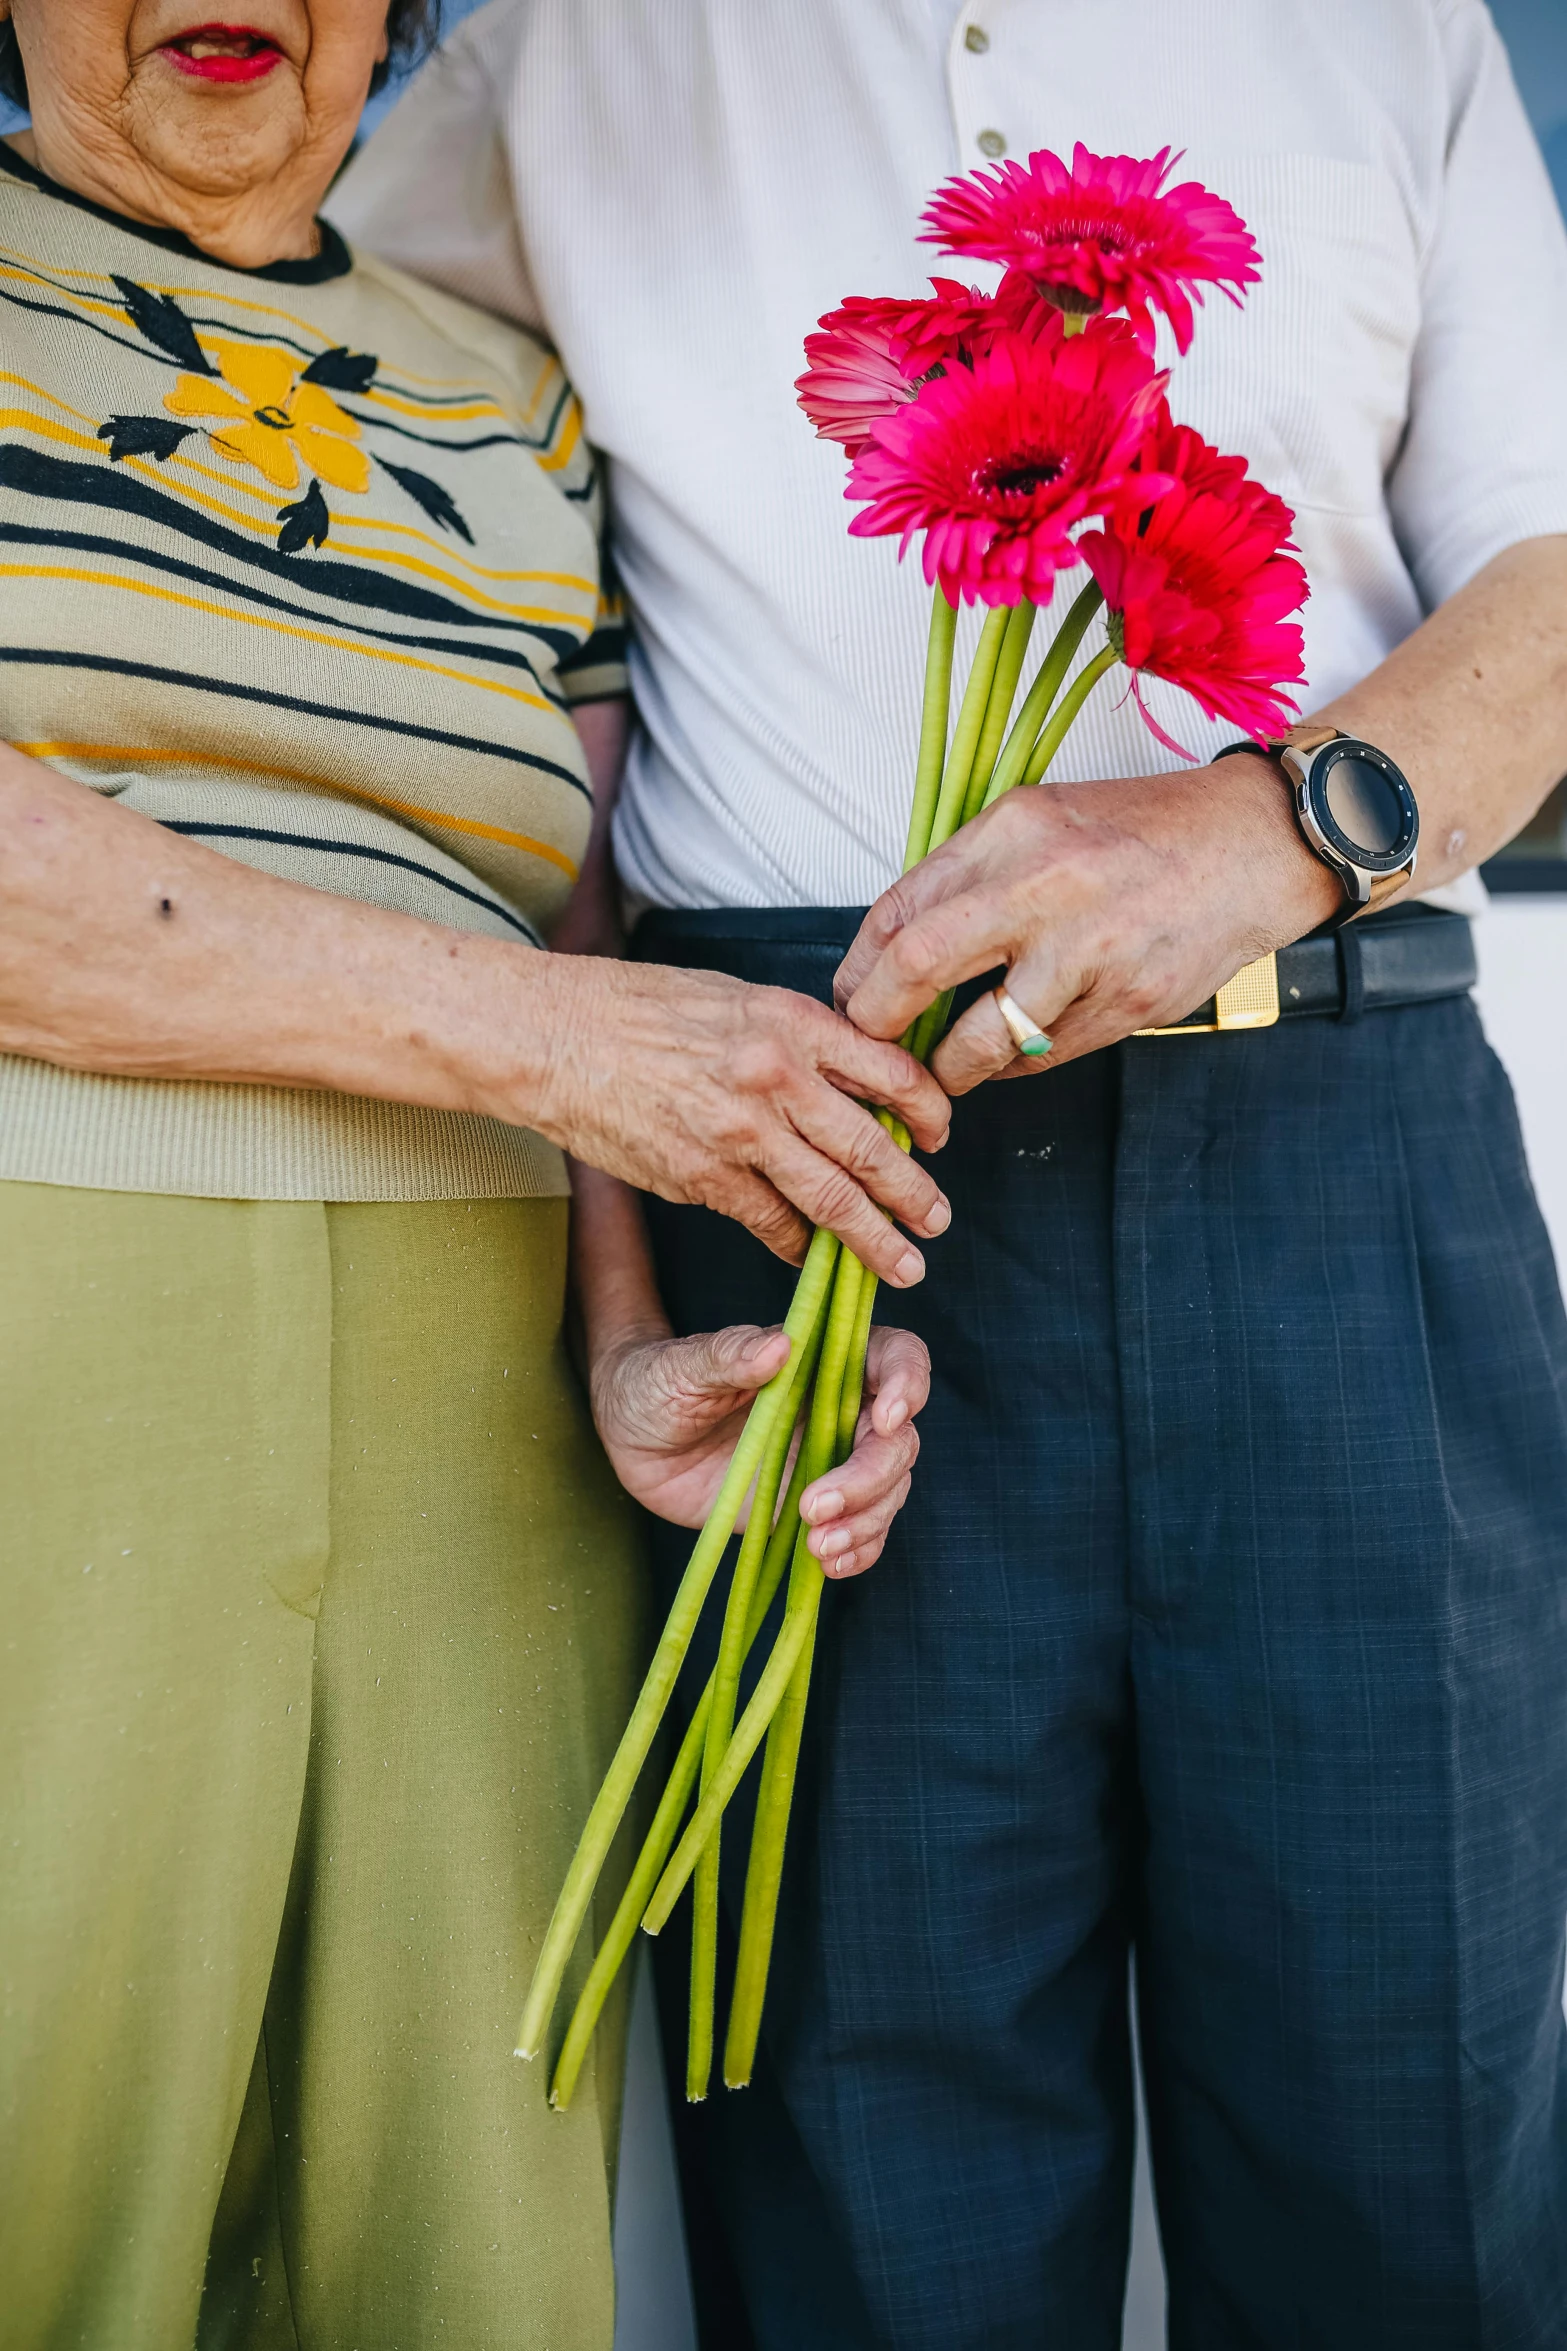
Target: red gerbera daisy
x=872, y=355
x=1200, y=583
x=997, y=463
x=1105, y=235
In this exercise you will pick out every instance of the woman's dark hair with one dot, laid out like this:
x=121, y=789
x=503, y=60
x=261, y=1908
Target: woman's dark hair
x=412, y=27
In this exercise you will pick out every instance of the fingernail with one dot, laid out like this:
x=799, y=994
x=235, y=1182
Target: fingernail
x=826, y=1506
x=843, y=1566
x=909, y=1269
x=897, y=1414
x=939, y=1218
x=832, y=1544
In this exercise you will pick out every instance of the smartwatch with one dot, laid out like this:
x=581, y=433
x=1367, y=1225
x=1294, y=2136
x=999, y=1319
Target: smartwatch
x=1355, y=808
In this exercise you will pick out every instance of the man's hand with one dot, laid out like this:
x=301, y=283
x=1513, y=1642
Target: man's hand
x=1112, y=906
x=671, y=1410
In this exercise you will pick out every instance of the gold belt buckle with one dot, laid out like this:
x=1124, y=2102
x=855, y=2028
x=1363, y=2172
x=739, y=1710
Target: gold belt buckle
x=1249, y=1001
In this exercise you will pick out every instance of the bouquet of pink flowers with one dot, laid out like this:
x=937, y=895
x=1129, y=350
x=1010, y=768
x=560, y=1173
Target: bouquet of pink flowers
x=1024, y=433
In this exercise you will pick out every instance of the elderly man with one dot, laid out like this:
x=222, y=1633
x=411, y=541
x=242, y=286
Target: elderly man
x=1231, y=1625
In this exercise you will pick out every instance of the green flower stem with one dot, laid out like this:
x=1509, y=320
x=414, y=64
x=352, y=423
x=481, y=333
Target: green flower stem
x=931, y=1027
x=666, y=1820
x=817, y=1452
x=933, y=728
x=966, y=734
x=611, y=1801
x=764, y=1875
x=1042, y=693
x=854, y=1369
x=1066, y=710
x=829, y=1436
x=749, y=1733
x=1009, y=668
x=734, y=1641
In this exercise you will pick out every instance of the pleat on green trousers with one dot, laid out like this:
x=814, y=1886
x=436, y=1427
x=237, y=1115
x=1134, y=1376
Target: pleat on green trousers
x=321, y=1613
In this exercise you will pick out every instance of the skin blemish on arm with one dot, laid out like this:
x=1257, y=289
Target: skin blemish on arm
x=165, y=909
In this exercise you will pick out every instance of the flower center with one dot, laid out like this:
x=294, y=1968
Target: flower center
x=278, y=418
x=1021, y=474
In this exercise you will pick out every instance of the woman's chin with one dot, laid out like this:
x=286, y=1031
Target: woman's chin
x=215, y=138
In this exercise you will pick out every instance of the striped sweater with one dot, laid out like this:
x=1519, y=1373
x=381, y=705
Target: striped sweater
x=302, y=562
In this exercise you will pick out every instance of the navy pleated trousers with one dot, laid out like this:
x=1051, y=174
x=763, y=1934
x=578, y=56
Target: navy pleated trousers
x=1226, y=1626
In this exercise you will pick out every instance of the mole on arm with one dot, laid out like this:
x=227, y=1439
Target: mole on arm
x=165, y=908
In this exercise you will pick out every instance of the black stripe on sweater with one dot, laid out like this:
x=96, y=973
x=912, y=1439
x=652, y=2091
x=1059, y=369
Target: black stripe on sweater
x=253, y=832
x=52, y=657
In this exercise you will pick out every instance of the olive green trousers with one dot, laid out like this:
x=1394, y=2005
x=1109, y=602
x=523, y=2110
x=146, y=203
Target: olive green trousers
x=319, y=1617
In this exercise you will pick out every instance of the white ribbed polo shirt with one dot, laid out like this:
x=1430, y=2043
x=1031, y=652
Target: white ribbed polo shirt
x=676, y=189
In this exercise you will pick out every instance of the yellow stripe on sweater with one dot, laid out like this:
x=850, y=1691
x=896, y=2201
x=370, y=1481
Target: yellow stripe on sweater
x=282, y=628
x=122, y=755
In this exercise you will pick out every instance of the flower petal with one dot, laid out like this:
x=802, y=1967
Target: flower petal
x=309, y=405
x=337, y=462
x=270, y=452
x=201, y=396
x=263, y=375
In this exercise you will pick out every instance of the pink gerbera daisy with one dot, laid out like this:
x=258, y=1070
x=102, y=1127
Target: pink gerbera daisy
x=872, y=355
x=999, y=462
x=1201, y=582
x=1105, y=235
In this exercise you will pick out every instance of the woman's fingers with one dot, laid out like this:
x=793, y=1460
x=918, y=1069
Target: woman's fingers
x=825, y=1192
x=873, y=1070
x=852, y=1544
x=897, y=1377
x=663, y=1397
x=862, y=1149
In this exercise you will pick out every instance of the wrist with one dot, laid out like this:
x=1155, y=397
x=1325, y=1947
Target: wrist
x=1290, y=890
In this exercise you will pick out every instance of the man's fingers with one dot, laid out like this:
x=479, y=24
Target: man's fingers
x=980, y=1046
x=947, y=944
x=886, y=918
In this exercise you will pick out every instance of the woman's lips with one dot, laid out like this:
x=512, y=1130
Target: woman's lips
x=224, y=53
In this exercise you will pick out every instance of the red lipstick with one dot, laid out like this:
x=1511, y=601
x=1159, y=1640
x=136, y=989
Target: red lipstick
x=224, y=53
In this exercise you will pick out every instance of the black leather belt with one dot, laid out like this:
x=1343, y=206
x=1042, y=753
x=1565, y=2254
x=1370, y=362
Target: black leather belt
x=1406, y=955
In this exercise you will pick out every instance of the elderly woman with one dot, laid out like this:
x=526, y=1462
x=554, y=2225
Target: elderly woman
x=319, y=1611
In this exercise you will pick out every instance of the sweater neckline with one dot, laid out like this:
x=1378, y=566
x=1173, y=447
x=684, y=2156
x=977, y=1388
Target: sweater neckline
x=334, y=260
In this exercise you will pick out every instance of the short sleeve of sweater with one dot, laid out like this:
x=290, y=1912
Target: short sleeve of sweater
x=1484, y=458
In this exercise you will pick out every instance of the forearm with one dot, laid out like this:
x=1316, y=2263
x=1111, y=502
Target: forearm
x=590, y=924
x=128, y=950
x=1473, y=706
x=612, y=1275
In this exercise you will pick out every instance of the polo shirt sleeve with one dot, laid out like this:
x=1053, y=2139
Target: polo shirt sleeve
x=431, y=188
x=431, y=191
x=1484, y=458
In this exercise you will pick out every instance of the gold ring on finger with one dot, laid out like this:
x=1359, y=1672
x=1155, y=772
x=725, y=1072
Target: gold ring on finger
x=1026, y=1034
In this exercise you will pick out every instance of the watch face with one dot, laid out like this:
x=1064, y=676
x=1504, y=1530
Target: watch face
x=1364, y=806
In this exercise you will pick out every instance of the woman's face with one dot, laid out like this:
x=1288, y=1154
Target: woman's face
x=227, y=125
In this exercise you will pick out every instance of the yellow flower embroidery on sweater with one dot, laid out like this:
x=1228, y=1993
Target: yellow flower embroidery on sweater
x=266, y=417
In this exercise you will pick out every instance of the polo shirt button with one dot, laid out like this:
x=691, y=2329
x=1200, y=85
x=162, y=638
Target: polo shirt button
x=991, y=143
x=976, y=39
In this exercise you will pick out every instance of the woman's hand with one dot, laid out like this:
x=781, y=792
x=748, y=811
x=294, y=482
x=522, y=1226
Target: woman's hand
x=747, y=1100
x=129, y=950
x=669, y=1412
